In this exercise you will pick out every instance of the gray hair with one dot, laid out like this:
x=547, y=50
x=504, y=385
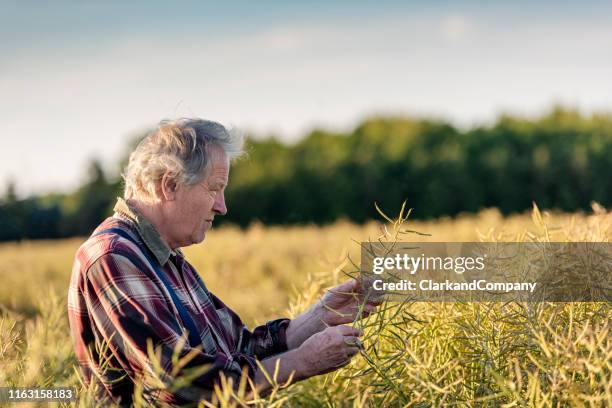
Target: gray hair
x=179, y=149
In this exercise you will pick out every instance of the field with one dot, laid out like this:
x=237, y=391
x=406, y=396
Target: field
x=418, y=354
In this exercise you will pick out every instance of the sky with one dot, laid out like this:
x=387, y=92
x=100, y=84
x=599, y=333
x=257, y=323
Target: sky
x=79, y=79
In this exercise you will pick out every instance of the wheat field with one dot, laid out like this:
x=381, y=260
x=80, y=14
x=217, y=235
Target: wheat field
x=417, y=354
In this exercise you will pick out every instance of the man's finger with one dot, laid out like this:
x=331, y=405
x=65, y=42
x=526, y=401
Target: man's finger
x=374, y=302
x=369, y=308
x=352, y=341
x=350, y=286
x=343, y=363
x=350, y=331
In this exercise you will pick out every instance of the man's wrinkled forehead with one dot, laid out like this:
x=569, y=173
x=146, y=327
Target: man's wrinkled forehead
x=218, y=169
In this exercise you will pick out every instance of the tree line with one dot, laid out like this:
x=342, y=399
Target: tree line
x=561, y=160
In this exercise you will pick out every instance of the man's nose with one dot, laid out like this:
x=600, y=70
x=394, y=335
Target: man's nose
x=219, y=205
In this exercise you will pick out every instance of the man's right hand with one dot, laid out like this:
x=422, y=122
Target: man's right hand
x=329, y=350
x=321, y=353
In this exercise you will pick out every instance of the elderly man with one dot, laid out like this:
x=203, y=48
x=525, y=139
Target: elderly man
x=132, y=291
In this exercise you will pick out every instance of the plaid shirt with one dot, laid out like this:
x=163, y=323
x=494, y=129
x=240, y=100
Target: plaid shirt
x=116, y=304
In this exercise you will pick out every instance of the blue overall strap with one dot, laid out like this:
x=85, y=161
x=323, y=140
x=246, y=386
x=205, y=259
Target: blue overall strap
x=193, y=334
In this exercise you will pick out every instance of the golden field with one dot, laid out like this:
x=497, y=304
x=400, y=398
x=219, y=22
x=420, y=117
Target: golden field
x=419, y=354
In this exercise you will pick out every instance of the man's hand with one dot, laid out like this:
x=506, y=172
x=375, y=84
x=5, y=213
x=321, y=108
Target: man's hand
x=329, y=350
x=339, y=305
x=343, y=303
x=321, y=353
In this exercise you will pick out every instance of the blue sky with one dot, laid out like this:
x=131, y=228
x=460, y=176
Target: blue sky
x=78, y=79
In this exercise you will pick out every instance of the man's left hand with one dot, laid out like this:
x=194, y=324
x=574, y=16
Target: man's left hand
x=345, y=304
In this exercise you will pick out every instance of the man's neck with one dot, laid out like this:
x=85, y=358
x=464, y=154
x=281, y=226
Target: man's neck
x=153, y=212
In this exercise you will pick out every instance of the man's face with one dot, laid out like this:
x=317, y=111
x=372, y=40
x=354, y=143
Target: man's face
x=196, y=206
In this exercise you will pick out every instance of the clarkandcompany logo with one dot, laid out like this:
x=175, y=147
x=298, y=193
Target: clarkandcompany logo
x=428, y=284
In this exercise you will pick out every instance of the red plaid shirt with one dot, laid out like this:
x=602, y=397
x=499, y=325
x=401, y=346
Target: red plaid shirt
x=116, y=304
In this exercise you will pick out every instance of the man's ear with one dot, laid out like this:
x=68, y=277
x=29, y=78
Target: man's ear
x=168, y=187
